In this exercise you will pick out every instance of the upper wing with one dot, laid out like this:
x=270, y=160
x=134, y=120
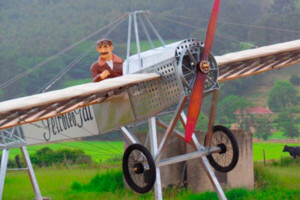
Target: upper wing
x=42, y=106
x=254, y=61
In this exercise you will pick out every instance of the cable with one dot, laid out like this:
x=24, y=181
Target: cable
x=76, y=139
x=32, y=69
x=196, y=27
x=57, y=78
x=102, y=141
x=74, y=62
x=169, y=29
x=233, y=23
x=81, y=148
x=68, y=68
x=63, y=72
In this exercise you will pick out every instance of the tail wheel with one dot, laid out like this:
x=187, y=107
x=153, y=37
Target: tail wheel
x=227, y=158
x=139, y=168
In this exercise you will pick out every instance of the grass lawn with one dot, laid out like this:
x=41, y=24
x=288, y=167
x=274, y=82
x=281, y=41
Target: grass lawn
x=289, y=177
x=54, y=183
x=272, y=150
x=112, y=151
x=98, y=150
x=58, y=184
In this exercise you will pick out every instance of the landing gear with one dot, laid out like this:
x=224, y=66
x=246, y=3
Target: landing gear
x=139, y=168
x=227, y=158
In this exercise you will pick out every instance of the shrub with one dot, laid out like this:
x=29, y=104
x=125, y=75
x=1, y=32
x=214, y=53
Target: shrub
x=263, y=178
x=115, y=159
x=288, y=161
x=13, y=163
x=47, y=157
x=295, y=80
x=109, y=182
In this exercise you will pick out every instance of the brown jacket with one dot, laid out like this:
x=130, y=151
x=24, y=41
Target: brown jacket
x=99, y=66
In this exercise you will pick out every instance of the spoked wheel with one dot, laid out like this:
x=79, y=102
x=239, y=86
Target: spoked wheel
x=139, y=168
x=227, y=158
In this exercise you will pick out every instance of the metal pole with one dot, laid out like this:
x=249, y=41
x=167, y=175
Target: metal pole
x=212, y=117
x=137, y=39
x=31, y=174
x=153, y=143
x=155, y=31
x=4, y=161
x=171, y=127
x=210, y=173
x=130, y=138
x=128, y=41
x=146, y=32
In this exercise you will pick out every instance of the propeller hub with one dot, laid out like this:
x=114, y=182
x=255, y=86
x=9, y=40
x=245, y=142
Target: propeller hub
x=204, y=67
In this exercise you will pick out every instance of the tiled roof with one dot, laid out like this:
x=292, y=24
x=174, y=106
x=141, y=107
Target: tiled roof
x=256, y=110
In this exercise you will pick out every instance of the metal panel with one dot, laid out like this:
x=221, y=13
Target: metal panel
x=76, y=124
x=114, y=112
x=151, y=97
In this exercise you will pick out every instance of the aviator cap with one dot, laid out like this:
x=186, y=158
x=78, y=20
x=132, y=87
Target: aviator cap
x=104, y=42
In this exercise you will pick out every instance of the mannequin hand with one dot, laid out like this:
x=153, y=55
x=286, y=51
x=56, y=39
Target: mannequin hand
x=104, y=74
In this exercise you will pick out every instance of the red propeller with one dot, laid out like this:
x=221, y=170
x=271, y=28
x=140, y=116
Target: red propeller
x=202, y=70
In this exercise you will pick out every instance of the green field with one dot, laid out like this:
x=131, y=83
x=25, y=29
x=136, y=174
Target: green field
x=54, y=183
x=272, y=150
x=58, y=184
x=106, y=151
x=98, y=150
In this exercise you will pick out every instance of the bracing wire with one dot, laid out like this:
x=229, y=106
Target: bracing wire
x=101, y=150
x=37, y=66
x=225, y=36
x=110, y=152
x=73, y=146
x=58, y=76
x=48, y=85
x=87, y=143
x=233, y=23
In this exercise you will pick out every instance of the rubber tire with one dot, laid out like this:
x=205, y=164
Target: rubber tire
x=152, y=169
x=235, y=149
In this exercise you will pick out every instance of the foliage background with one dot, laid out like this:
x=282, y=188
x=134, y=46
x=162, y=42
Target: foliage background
x=31, y=31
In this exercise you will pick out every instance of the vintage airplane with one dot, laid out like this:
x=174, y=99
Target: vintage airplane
x=157, y=81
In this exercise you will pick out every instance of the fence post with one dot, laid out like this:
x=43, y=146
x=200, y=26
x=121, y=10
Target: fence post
x=264, y=157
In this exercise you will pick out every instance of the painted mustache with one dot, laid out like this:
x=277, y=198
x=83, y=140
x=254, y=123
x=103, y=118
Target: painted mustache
x=104, y=53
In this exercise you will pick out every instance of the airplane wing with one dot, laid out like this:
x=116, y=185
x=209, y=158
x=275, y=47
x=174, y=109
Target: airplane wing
x=46, y=105
x=254, y=61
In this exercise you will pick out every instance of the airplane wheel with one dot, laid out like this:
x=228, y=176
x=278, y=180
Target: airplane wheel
x=227, y=159
x=139, y=168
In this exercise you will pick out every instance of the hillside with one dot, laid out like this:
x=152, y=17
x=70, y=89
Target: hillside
x=34, y=31
x=264, y=82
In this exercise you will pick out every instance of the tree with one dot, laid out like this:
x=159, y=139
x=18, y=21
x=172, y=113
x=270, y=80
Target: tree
x=262, y=125
x=295, y=80
x=282, y=96
x=284, y=6
x=286, y=122
x=228, y=106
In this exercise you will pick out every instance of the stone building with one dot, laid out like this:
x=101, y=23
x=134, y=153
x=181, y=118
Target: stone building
x=191, y=173
x=241, y=176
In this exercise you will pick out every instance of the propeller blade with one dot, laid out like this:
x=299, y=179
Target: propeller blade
x=194, y=106
x=211, y=30
x=198, y=89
